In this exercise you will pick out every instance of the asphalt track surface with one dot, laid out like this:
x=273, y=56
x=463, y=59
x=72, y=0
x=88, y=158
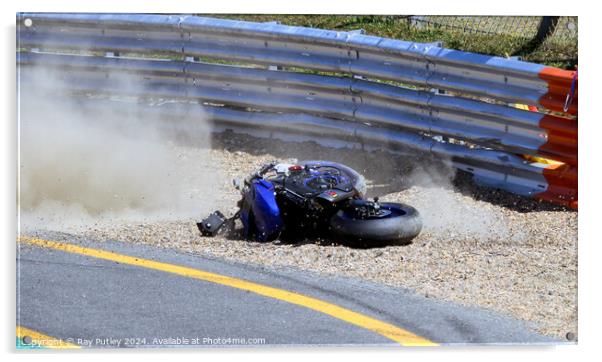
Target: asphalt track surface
x=119, y=295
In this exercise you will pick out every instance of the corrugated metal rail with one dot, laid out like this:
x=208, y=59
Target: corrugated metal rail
x=369, y=90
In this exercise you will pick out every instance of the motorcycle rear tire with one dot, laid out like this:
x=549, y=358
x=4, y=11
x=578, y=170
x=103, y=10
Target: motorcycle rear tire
x=398, y=228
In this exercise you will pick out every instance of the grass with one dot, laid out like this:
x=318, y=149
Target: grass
x=560, y=53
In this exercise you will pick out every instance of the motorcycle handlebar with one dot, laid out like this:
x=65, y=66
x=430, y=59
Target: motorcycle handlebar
x=266, y=168
x=259, y=173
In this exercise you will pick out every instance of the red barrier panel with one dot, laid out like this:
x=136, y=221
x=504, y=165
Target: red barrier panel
x=559, y=86
x=562, y=185
x=562, y=134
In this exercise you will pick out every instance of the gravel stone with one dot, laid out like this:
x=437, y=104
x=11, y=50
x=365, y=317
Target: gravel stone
x=478, y=246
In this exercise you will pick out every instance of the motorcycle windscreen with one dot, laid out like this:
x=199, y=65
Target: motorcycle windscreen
x=266, y=212
x=358, y=181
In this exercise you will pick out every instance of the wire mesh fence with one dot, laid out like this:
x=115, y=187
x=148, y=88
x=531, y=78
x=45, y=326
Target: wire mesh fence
x=536, y=38
x=520, y=26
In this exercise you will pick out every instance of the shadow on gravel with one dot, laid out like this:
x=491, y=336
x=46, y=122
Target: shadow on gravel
x=388, y=173
x=379, y=166
x=464, y=183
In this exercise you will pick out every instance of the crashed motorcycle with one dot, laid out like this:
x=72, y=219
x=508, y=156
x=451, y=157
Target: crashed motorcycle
x=315, y=198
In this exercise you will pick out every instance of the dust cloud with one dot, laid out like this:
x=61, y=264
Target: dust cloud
x=80, y=166
x=446, y=211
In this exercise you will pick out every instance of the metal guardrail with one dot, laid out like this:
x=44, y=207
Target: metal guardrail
x=322, y=50
x=346, y=109
x=489, y=125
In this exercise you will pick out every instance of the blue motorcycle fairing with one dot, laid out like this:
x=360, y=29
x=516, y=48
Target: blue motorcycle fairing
x=245, y=214
x=261, y=202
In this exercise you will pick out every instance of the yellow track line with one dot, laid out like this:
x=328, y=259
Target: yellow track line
x=41, y=340
x=390, y=331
